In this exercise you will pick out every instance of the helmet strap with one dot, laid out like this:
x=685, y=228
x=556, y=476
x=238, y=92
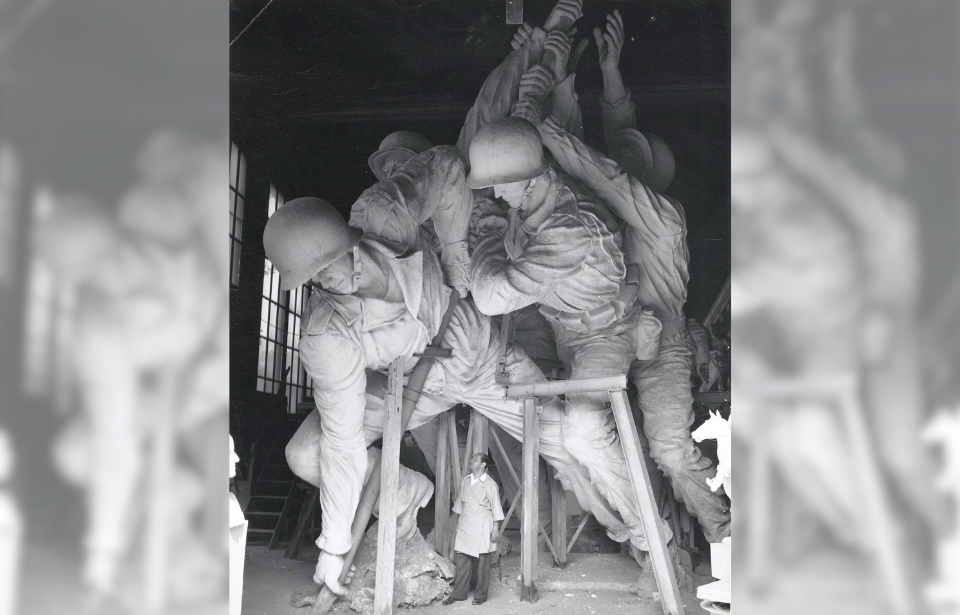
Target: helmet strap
x=528, y=192
x=356, y=269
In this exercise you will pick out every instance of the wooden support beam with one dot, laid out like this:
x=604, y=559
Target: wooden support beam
x=653, y=526
x=558, y=512
x=723, y=297
x=513, y=506
x=454, y=455
x=508, y=325
x=390, y=479
x=565, y=387
x=480, y=433
x=306, y=517
x=441, y=495
x=531, y=467
x=468, y=449
x=583, y=523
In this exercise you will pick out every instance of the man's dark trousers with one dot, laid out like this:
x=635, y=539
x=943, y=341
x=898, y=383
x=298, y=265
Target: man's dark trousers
x=461, y=580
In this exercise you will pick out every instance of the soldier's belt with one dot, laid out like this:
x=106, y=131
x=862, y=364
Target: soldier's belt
x=599, y=317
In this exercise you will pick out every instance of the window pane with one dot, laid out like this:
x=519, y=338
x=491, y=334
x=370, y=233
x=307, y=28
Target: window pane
x=234, y=154
x=242, y=176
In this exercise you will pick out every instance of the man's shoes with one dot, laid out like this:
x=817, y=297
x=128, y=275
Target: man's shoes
x=476, y=602
x=449, y=601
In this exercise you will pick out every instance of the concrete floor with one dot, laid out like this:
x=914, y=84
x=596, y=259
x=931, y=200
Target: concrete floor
x=272, y=583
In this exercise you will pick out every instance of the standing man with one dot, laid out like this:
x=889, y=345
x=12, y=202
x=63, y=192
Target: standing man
x=477, y=530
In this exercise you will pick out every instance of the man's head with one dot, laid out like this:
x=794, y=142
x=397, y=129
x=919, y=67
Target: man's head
x=513, y=192
x=479, y=463
x=645, y=156
x=506, y=154
x=394, y=151
x=337, y=277
x=306, y=236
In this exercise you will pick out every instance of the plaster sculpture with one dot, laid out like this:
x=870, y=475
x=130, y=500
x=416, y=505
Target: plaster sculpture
x=653, y=248
x=392, y=310
x=718, y=429
x=238, y=539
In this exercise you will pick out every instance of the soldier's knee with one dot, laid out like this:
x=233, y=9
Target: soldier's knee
x=301, y=461
x=673, y=460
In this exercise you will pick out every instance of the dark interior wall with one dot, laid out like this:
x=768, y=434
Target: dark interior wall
x=315, y=86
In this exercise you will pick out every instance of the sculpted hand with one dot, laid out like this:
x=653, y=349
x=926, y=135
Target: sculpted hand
x=492, y=224
x=522, y=35
x=529, y=110
x=560, y=43
x=536, y=82
x=455, y=262
x=610, y=43
x=563, y=10
x=329, y=567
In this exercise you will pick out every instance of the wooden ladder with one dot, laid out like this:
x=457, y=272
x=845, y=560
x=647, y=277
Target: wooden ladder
x=653, y=526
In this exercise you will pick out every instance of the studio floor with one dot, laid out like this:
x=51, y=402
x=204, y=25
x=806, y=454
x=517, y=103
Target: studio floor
x=592, y=583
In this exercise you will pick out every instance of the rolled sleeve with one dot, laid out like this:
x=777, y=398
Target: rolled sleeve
x=501, y=89
x=430, y=186
x=557, y=251
x=566, y=106
x=617, y=115
x=495, y=503
x=458, y=502
x=654, y=215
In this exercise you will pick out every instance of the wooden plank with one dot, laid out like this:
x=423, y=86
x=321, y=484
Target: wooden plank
x=513, y=506
x=566, y=387
x=287, y=508
x=454, y=455
x=653, y=526
x=723, y=297
x=583, y=523
x=507, y=329
x=480, y=428
x=514, y=12
x=503, y=452
x=558, y=512
x=441, y=495
x=306, y=517
x=468, y=449
x=389, y=483
x=528, y=531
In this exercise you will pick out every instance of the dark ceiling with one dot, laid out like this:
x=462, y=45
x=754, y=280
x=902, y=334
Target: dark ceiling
x=315, y=86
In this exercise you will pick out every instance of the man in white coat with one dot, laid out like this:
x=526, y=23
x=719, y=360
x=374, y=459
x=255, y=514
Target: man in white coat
x=478, y=505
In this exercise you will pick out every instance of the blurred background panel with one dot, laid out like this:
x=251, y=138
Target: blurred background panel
x=113, y=156
x=845, y=296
